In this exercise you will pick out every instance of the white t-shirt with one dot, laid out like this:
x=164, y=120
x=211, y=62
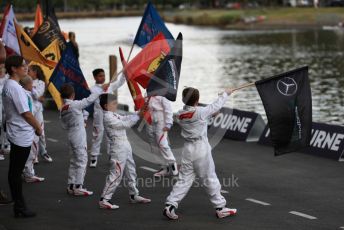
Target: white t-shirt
x=15, y=100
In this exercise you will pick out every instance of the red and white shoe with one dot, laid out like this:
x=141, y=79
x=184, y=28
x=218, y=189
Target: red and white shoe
x=106, y=204
x=162, y=172
x=81, y=192
x=34, y=179
x=170, y=212
x=224, y=212
x=135, y=199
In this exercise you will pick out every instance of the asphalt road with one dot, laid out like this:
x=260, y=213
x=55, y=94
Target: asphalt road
x=265, y=189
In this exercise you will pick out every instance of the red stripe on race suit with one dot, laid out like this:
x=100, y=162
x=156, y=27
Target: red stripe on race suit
x=65, y=108
x=186, y=115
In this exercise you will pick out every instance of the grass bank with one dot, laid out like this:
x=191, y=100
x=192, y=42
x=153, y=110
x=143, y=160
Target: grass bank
x=273, y=17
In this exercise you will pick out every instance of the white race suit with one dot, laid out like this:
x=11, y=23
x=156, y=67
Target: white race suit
x=196, y=155
x=72, y=120
x=3, y=139
x=38, y=91
x=98, y=127
x=162, y=116
x=29, y=170
x=122, y=164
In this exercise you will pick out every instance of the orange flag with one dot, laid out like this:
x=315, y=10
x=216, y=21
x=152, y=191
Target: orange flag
x=38, y=19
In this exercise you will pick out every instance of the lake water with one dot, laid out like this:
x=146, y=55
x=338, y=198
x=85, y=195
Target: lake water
x=216, y=58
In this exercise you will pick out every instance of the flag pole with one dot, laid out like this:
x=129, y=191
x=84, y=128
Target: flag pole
x=116, y=75
x=131, y=50
x=244, y=86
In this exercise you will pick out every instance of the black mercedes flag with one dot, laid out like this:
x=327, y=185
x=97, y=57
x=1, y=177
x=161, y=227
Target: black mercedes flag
x=287, y=102
x=166, y=78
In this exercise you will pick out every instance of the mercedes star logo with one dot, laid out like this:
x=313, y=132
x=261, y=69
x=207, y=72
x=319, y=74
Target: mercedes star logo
x=287, y=86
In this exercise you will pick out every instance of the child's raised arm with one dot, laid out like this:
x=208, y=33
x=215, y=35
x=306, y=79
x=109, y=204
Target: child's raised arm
x=116, y=84
x=84, y=103
x=125, y=122
x=214, y=107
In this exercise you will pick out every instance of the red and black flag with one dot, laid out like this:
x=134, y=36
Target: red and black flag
x=287, y=102
x=166, y=78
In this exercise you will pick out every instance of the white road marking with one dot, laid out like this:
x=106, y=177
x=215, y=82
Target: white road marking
x=224, y=191
x=52, y=140
x=303, y=215
x=257, y=201
x=47, y=121
x=341, y=227
x=148, y=169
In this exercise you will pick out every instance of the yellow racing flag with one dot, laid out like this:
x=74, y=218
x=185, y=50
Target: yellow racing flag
x=29, y=50
x=51, y=53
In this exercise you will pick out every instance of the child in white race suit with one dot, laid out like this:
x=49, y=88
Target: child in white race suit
x=122, y=164
x=29, y=171
x=72, y=119
x=162, y=120
x=37, y=75
x=196, y=156
x=4, y=144
x=98, y=127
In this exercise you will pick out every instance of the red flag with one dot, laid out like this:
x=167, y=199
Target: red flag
x=135, y=90
x=144, y=64
x=3, y=21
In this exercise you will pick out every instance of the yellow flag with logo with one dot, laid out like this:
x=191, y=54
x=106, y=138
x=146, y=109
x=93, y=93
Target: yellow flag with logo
x=29, y=50
x=51, y=53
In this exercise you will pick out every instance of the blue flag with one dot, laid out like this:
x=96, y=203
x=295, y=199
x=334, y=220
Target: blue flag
x=68, y=71
x=151, y=25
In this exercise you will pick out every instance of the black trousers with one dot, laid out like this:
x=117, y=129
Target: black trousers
x=18, y=158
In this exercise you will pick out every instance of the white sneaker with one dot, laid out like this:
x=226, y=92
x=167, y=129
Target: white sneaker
x=93, y=162
x=47, y=158
x=224, y=212
x=34, y=179
x=105, y=204
x=2, y=157
x=82, y=192
x=174, y=169
x=134, y=199
x=162, y=172
x=170, y=212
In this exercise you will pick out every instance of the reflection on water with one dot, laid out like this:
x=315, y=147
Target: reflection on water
x=216, y=58
x=267, y=53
